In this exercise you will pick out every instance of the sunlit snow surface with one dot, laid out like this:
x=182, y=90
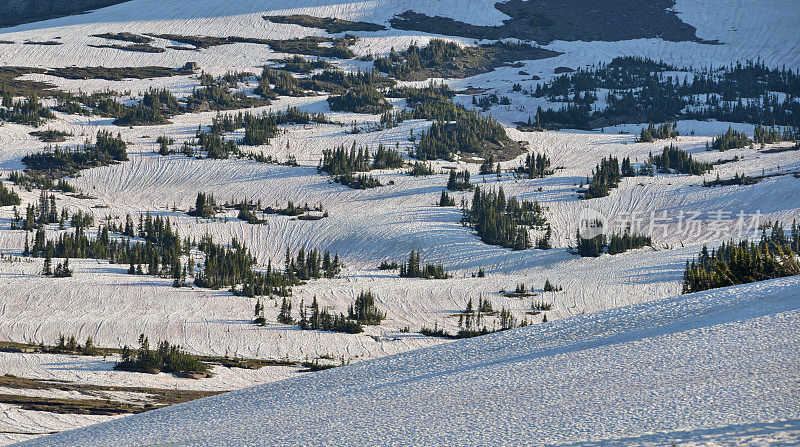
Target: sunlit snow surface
x=717, y=366
x=647, y=374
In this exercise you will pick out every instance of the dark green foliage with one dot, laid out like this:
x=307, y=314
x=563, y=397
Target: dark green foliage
x=590, y=247
x=642, y=92
x=595, y=246
x=459, y=181
x=446, y=199
x=420, y=169
x=274, y=82
x=8, y=196
x=337, y=81
x=51, y=136
x=386, y=265
x=312, y=265
x=674, y=159
x=503, y=222
x=488, y=166
x=737, y=179
x=285, y=314
x=165, y=358
x=549, y=287
x=325, y=321
x=62, y=270
x=536, y=166
x=361, y=99
x=125, y=37
x=342, y=164
x=471, y=133
x=387, y=158
x=605, y=177
x=299, y=64
x=364, y=310
x=37, y=215
x=359, y=181
x=15, y=12
x=204, y=206
x=416, y=95
x=544, y=21
x=215, y=94
x=445, y=59
x=664, y=131
x=30, y=111
x=414, y=268
x=620, y=244
x=329, y=24
x=767, y=135
x=731, y=139
x=774, y=256
x=153, y=109
x=106, y=150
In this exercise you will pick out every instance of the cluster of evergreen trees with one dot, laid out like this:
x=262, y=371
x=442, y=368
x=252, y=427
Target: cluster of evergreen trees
x=343, y=165
x=30, y=181
x=767, y=135
x=732, y=139
x=488, y=166
x=505, y=222
x=299, y=64
x=641, y=91
x=162, y=251
x=469, y=133
x=339, y=82
x=153, y=109
x=446, y=199
x=773, y=256
x=164, y=358
x=8, y=196
x=404, y=64
x=204, y=206
x=106, y=150
x=605, y=177
x=459, y=181
x=415, y=269
x=674, y=159
x=595, y=246
x=41, y=214
x=420, y=169
x=360, y=99
x=274, y=82
x=536, y=166
x=363, y=311
x=30, y=111
x=664, y=131
x=215, y=93
x=312, y=264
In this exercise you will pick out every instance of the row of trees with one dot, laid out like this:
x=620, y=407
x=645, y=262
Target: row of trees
x=664, y=131
x=363, y=311
x=773, y=256
x=674, y=159
x=339, y=161
x=596, y=245
x=414, y=268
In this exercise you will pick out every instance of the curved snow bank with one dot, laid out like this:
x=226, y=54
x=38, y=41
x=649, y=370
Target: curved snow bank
x=719, y=366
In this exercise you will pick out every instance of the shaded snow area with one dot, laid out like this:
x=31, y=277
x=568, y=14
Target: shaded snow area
x=717, y=368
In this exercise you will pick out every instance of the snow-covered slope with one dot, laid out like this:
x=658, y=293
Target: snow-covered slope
x=718, y=367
